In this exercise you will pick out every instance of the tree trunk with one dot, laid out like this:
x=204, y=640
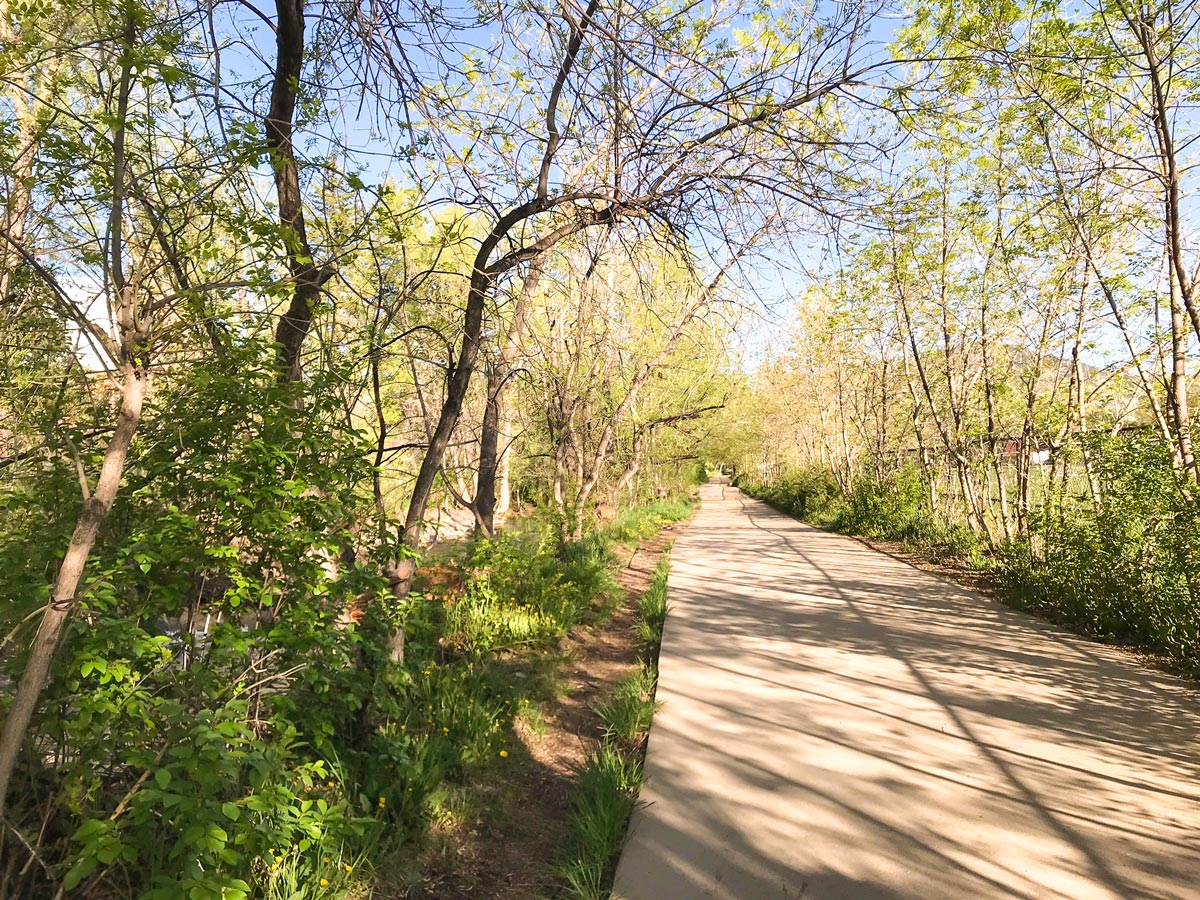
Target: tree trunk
x=485, y=493
x=491, y=449
x=63, y=596
x=132, y=330
x=307, y=277
x=504, y=463
x=16, y=209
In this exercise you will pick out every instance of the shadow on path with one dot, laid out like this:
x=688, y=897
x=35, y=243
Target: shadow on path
x=838, y=724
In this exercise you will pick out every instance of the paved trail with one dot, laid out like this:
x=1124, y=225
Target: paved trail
x=836, y=724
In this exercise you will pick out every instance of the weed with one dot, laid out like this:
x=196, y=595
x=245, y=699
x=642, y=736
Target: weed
x=627, y=714
x=607, y=793
x=652, y=607
x=640, y=522
x=612, y=775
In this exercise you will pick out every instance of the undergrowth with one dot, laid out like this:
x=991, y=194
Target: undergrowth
x=604, y=800
x=611, y=775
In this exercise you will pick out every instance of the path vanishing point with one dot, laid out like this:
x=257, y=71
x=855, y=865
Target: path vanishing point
x=836, y=725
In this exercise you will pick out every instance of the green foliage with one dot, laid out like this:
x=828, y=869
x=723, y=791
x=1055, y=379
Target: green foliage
x=894, y=508
x=809, y=493
x=605, y=798
x=275, y=751
x=202, y=693
x=627, y=713
x=640, y=522
x=612, y=774
x=1128, y=572
x=524, y=590
x=652, y=606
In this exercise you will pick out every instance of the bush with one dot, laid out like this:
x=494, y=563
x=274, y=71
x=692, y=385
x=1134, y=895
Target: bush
x=269, y=752
x=810, y=493
x=639, y=522
x=1130, y=572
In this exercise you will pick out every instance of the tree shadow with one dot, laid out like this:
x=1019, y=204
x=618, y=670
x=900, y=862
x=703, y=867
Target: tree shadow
x=838, y=724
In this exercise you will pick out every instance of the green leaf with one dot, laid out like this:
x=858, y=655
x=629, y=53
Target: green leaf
x=230, y=811
x=78, y=872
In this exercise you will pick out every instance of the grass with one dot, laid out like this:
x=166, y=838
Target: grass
x=485, y=651
x=641, y=522
x=652, y=607
x=534, y=719
x=627, y=714
x=611, y=777
x=608, y=786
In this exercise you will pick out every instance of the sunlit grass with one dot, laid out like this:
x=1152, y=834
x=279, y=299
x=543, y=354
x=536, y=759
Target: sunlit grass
x=628, y=713
x=606, y=796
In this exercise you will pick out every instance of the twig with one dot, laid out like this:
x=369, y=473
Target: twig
x=33, y=854
x=124, y=804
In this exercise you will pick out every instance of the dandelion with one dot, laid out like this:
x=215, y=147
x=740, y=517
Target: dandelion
x=349, y=868
x=445, y=731
x=328, y=859
x=503, y=754
x=324, y=882
x=382, y=802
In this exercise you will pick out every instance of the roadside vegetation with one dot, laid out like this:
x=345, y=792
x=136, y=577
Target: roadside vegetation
x=332, y=789
x=1000, y=363
x=341, y=343
x=611, y=775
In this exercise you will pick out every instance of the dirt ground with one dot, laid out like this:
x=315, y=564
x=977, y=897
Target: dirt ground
x=509, y=849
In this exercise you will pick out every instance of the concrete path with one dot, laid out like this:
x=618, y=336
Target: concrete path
x=836, y=724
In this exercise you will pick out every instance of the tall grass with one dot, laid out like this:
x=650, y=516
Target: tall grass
x=611, y=777
x=628, y=712
x=605, y=798
x=652, y=607
x=642, y=522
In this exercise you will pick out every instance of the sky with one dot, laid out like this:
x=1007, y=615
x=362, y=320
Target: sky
x=772, y=280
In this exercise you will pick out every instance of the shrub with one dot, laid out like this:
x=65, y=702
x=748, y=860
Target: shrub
x=810, y=493
x=639, y=522
x=1129, y=572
